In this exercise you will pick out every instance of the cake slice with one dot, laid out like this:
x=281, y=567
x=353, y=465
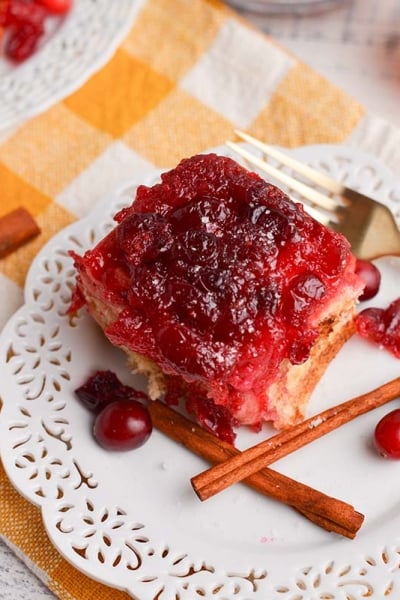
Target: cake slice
x=222, y=290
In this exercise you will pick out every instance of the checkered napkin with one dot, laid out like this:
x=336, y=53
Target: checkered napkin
x=187, y=74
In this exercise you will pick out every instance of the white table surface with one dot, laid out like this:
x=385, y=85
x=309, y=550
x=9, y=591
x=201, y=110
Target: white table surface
x=357, y=48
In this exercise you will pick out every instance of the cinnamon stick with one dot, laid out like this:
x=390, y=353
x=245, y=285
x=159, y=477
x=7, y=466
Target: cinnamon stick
x=16, y=228
x=327, y=512
x=237, y=468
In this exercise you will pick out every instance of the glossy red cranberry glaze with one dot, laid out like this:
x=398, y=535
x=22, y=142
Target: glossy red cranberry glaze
x=217, y=276
x=381, y=326
x=387, y=435
x=123, y=425
x=104, y=387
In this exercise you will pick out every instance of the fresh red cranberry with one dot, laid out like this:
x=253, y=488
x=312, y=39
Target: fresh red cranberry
x=104, y=387
x=202, y=213
x=381, y=326
x=387, y=435
x=198, y=248
x=24, y=21
x=371, y=276
x=123, y=425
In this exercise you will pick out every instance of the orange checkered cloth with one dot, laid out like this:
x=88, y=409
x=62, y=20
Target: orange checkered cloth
x=187, y=74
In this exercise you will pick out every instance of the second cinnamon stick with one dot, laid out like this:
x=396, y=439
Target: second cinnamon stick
x=241, y=466
x=327, y=512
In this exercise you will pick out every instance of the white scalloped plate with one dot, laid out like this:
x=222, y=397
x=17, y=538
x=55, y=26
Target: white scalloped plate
x=73, y=50
x=131, y=520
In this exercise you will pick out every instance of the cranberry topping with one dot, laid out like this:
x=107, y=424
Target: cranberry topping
x=381, y=326
x=215, y=419
x=221, y=276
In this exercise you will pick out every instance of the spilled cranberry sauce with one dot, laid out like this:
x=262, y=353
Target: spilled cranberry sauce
x=104, y=387
x=381, y=326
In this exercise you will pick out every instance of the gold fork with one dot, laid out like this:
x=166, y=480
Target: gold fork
x=369, y=226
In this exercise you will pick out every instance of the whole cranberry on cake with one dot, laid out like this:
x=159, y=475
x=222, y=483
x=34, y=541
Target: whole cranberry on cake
x=222, y=290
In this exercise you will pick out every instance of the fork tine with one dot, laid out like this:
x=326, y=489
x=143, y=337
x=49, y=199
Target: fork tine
x=304, y=190
x=305, y=170
x=318, y=215
x=369, y=225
